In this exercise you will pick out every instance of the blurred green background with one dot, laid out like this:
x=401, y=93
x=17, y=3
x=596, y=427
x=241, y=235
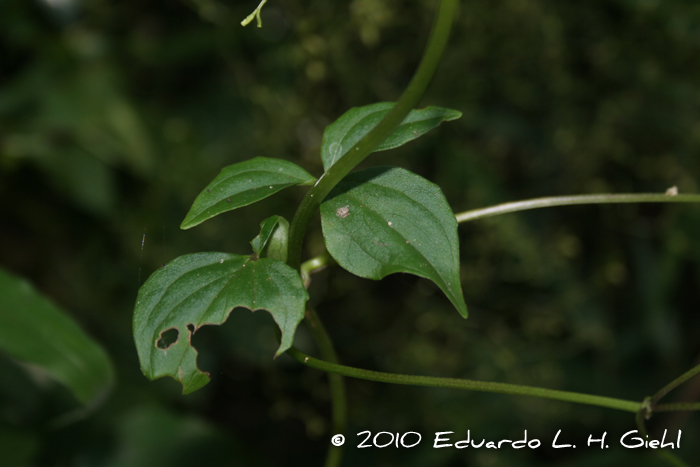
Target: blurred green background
x=115, y=114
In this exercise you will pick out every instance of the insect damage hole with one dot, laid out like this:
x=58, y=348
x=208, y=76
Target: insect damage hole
x=168, y=338
x=343, y=212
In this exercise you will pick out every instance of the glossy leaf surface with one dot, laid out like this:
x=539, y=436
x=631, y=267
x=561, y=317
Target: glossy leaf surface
x=343, y=134
x=203, y=288
x=385, y=220
x=37, y=332
x=242, y=184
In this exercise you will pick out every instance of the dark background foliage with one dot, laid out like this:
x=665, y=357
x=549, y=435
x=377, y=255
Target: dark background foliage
x=115, y=114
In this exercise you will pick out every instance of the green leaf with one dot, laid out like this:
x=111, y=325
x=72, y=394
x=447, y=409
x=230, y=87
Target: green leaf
x=343, y=134
x=203, y=288
x=242, y=184
x=385, y=220
x=35, y=331
x=273, y=240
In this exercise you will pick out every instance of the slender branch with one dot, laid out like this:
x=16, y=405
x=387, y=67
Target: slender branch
x=674, y=384
x=572, y=200
x=408, y=100
x=337, y=385
x=677, y=407
x=470, y=385
x=320, y=262
x=663, y=453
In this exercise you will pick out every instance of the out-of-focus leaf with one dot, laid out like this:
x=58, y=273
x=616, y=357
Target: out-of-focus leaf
x=18, y=447
x=273, y=239
x=242, y=184
x=155, y=437
x=35, y=331
x=203, y=288
x=342, y=135
x=385, y=220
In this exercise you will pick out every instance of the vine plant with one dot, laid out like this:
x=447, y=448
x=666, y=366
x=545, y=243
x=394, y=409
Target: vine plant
x=375, y=222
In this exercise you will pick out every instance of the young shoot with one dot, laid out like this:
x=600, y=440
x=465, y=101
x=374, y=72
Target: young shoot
x=255, y=14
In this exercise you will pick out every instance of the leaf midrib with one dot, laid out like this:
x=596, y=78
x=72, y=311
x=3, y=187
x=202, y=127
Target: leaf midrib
x=396, y=232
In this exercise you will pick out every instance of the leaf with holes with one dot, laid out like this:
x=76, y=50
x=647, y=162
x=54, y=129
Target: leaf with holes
x=203, y=288
x=343, y=134
x=385, y=220
x=242, y=184
x=37, y=332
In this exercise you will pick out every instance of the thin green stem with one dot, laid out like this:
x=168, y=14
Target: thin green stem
x=314, y=265
x=674, y=384
x=337, y=385
x=470, y=385
x=572, y=200
x=663, y=453
x=254, y=15
x=408, y=100
x=677, y=407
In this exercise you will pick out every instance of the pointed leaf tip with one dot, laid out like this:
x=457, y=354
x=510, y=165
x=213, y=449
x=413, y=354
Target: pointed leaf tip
x=242, y=184
x=384, y=220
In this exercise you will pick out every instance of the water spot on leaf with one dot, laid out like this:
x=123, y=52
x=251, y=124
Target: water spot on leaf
x=168, y=338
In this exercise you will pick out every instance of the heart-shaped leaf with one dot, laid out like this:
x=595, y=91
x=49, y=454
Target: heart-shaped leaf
x=385, y=220
x=343, y=134
x=203, y=288
x=35, y=331
x=242, y=184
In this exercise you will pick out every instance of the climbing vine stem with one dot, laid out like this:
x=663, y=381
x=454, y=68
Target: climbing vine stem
x=408, y=100
x=670, y=458
x=674, y=384
x=471, y=385
x=337, y=385
x=677, y=407
x=573, y=200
